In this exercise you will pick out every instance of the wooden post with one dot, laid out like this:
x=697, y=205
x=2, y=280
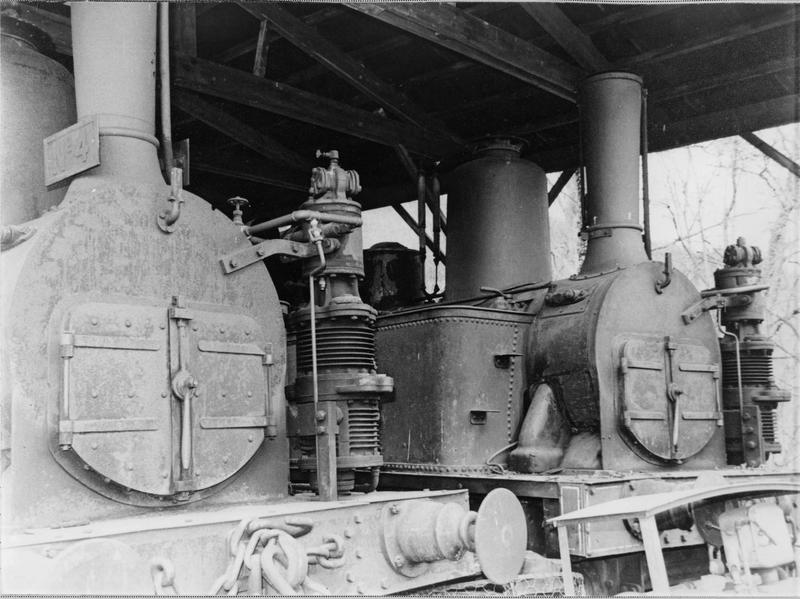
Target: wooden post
x=655, y=557
x=566, y=564
x=262, y=49
x=183, y=25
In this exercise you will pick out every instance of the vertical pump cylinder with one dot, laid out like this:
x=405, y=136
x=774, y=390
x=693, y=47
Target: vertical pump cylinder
x=114, y=49
x=611, y=105
x=498, y=230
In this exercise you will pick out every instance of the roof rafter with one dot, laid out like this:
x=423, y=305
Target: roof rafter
x=710, y=38
x=309, y=40
x=478, y=40
x=251, y=44
x=772, y=152
x=183, y=28
x=630, y=14
x=728, y=78
x=225, y=123
x=244, y=88
x=210, y=166
x=728, y=122
x=567, y=35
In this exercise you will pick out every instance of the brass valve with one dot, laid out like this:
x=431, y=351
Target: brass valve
x=237, y=203
x=333, y=183
x=740, y=255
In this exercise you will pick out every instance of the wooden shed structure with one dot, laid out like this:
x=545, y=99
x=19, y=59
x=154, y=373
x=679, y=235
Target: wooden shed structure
x=258, y=87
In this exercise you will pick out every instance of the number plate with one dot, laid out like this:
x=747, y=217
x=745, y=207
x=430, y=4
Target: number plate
x=71, y=151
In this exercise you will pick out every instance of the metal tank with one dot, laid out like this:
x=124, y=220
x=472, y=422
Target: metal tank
x=37, y=99
x=498, y=233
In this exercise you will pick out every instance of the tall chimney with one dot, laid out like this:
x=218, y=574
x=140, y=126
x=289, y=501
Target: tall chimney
x=114, y=50
x=610, y=105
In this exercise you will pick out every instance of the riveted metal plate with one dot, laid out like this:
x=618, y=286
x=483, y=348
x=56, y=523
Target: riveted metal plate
x=119, y=414
x=230, y=415
x=647, y=412
x=115, y=417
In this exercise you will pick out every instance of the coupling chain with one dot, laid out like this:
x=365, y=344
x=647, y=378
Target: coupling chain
x=330, y=554
x=162, y=570
x=269, y=549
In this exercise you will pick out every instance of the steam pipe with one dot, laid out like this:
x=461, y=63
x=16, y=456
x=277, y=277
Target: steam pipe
x=611, y=105
x=117, y=88
x=328, y=230
x=645, y=146
x=421, y=213
x=163, y=69
x=303, y=215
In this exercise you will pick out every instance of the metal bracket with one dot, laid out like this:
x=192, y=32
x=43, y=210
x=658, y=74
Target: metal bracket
x=595, y=233
x=477, y=416
x=718, y=299
x=504, y=360
x=772, y=395
x=272, y=247
x=695, y=311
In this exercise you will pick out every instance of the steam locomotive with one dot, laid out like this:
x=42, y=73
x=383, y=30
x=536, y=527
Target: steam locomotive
x=158, y=402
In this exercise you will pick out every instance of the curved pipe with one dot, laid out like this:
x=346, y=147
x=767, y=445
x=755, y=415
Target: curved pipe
x=303, y=215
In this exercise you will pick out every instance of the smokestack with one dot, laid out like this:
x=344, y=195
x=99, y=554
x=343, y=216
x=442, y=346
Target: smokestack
x=611, y=105
x=114, y=50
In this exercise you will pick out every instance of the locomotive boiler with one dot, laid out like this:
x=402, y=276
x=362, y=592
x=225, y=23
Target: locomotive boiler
x=145, y=441
x=171, y=426
x=574, y=392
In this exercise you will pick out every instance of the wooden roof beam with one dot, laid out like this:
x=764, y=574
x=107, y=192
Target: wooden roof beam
x=660, y=96
x=244, y=88
x=225, y=123
x=183, y=28
x=773, y=153
x=725, y=123
x=731, y=121
x=567, y=35
x=411, y=170
x=212, y=167
x=560, y=184
x=712, y=38
x=627, y=16
x=412, y=223
x=251, y=44
x=727, y=78
x=309, y=40
x=480, y=41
